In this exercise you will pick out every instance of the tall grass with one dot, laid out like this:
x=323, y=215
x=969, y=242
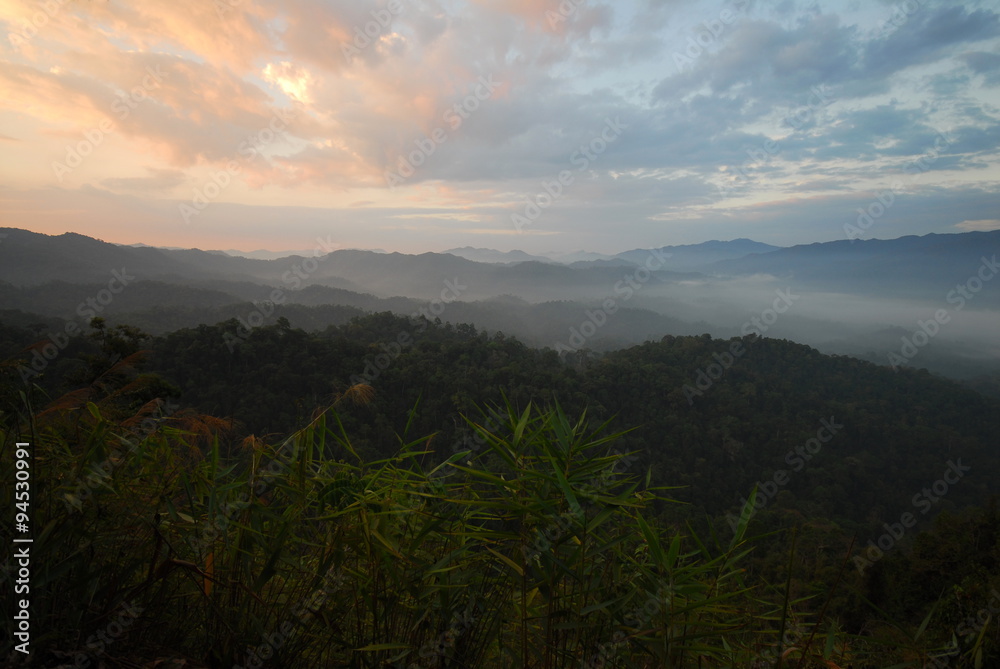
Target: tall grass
x=538, y=550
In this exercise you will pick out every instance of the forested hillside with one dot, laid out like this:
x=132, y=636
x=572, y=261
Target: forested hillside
x=713, y=416
x=842, y=464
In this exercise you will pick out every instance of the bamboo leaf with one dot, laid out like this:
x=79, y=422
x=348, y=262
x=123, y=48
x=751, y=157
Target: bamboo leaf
x=507, y=561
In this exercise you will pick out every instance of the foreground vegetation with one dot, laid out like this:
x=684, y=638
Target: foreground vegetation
x=541, y=539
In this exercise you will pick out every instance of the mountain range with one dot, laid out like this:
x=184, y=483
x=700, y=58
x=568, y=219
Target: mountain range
x=862, y=298
x=907, y=264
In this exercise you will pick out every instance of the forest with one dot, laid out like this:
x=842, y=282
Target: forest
x=402, y=492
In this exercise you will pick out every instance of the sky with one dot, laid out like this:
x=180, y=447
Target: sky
x=542, y=125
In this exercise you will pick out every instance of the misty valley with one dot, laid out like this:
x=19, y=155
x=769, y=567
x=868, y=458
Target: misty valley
x=720, y=454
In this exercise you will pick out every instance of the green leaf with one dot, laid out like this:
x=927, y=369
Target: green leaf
x=507, y=561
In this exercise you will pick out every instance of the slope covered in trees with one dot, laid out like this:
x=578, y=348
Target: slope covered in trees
x=533, y=544
x=826, y=436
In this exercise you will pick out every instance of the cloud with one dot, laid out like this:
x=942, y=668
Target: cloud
x=928, y=35
x=234, y=71
x=986, y=64
x=158, y=180
x=979, y=226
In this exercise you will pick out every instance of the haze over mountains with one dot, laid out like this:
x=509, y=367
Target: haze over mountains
x=860, y=298
x=686, y=256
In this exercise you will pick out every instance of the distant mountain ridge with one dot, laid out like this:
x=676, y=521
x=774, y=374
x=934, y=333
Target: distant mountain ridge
x=494, y=256
x=699, y=256
x=863, y=298
x=32, y=259
x=909, y=267
x=682, y=257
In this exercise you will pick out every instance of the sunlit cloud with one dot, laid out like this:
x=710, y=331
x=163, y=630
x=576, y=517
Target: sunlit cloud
x=979, y=226
x=308, y=106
